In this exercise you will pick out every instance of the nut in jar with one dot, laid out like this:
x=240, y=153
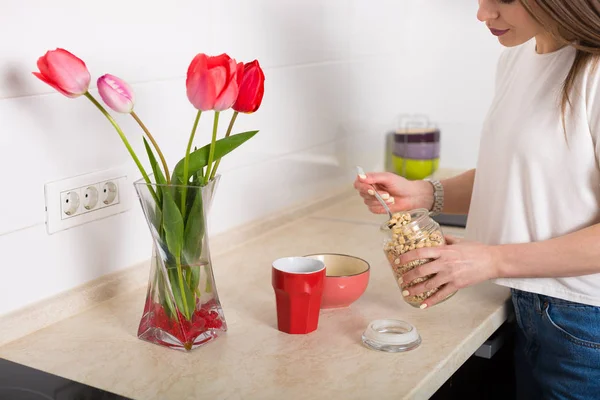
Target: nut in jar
x=408, y=231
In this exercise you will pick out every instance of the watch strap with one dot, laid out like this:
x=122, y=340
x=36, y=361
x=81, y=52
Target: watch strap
x=438, y=197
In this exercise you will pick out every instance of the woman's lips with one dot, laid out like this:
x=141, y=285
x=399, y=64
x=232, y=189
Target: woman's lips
x=498, y=32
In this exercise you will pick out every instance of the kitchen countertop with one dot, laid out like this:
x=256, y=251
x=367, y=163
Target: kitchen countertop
x=254, y=360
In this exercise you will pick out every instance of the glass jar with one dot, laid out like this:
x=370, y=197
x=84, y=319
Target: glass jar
x=408, y=231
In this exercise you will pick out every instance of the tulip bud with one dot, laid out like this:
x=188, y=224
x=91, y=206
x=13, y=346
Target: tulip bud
x=116, y=93
x=64, y=72
x=252, y=88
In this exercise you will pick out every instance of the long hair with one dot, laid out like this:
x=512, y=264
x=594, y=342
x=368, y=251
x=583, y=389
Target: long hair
x=575, y=23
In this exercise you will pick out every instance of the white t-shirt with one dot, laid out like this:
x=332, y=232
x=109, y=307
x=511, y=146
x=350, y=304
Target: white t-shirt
x=532, y=183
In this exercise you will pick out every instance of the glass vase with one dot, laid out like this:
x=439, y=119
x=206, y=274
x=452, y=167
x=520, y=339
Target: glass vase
x=182, y=309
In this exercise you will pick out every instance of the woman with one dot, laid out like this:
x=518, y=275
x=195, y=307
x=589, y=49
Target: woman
x=534, y=199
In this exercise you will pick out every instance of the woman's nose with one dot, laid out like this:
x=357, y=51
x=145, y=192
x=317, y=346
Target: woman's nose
x=488, y=11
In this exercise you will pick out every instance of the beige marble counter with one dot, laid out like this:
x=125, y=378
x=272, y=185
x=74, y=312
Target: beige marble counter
x=253, y=360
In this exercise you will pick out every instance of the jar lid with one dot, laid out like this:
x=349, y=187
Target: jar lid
x=391, y=335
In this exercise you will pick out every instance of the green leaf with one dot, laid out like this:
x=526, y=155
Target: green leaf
x=173, y=224
x=164, y=295
x=155, y=212
x=194, y=231
x=195, y=281
x=158, y=173
x=155, y=216
x=198, y=178
x=199, y=158
x=187, y=293
x=173, y=227
x=159, y=177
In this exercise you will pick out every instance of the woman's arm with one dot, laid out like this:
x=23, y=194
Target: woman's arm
x=464, y=264
x=575, y=254
x=402, y=194
x=457, y=192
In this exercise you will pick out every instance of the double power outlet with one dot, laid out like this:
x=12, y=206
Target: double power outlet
x=85, y=198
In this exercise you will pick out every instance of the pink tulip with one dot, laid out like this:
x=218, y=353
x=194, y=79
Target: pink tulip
x=213, y=82
x=116, y=93
x=64, y=72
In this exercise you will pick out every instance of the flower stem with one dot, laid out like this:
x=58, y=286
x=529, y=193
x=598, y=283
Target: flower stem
x=125, y=141
x=229, y=128
x=160, y=154
x=208, y=287
x=186, y=164
x=181, y=283
x=211, y=154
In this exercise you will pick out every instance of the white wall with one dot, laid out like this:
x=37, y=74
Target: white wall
x=338, y=73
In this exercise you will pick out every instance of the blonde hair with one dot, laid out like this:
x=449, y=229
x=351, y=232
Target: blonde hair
x=575, y=23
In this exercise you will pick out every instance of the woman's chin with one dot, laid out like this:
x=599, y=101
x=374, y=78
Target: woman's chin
x=509, y=40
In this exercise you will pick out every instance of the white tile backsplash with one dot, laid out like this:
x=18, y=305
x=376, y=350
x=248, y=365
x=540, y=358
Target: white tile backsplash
x=338, y=73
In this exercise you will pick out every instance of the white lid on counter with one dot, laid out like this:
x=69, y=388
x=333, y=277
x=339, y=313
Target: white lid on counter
x=391, y=335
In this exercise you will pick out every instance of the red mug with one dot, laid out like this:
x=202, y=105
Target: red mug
x=298, y=283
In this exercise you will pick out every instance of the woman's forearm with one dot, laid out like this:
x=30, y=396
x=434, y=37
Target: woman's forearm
x=575, y=254
x=457, y=192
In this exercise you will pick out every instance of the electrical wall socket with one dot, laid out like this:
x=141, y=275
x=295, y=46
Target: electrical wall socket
x=85, y=198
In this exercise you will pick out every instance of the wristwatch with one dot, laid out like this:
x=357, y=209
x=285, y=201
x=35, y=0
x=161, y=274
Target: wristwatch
x=438, y=197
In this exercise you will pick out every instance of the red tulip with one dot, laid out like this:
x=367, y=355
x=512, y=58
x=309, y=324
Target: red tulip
x=252, y=89
x=116, y=93
x=212, y=82
x=64, y=72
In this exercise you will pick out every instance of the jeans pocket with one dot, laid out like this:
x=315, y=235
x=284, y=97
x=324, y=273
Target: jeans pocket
x=579, y=325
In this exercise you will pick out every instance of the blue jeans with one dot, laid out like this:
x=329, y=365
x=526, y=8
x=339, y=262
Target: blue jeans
x=557, y=352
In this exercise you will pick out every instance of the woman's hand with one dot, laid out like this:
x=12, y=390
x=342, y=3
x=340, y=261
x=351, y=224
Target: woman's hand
x=457, y=265
x=400, y=193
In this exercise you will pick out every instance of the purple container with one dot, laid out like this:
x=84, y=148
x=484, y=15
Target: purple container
x=417, y=136
x=417, y=151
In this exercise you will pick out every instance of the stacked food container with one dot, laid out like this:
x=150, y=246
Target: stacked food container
x=415, y=148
